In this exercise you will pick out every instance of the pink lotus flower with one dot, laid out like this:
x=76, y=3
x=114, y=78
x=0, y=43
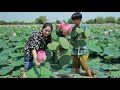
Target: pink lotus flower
x=61, y=25
x=14, y=34
x=41, y=56
x=65, y=28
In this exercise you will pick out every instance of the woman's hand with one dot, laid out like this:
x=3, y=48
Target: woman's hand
x=34, y=53
x=38, y=65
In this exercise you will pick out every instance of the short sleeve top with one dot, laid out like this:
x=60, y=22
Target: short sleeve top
x=36, y=41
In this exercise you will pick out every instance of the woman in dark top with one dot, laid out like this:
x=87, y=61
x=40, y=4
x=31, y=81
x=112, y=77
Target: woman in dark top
x=37, y=41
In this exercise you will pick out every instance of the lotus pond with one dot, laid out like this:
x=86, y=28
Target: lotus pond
x=104, y=58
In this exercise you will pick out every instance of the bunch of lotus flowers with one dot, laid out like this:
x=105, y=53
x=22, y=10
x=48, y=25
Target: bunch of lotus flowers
x=65, y=28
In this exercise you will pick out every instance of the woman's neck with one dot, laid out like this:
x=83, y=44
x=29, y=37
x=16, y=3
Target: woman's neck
x=44, y=38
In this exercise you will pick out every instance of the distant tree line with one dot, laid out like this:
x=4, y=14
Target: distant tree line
x=39, y=20
x=14, y=22
x=43, y=19
x=101, y=20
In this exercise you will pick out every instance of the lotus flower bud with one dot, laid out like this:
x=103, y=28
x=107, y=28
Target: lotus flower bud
x=41, y=56
x=14, y=34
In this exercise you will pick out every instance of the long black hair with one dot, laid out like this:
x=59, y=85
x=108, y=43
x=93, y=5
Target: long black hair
x=49, y=38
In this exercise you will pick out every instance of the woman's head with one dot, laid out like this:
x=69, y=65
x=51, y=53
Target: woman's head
x=76, y=17
x=47, y=30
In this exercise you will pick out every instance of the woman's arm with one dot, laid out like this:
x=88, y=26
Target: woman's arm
x=34, y=53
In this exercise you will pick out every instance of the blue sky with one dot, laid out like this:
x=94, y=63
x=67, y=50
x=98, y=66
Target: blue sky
x=52, y=16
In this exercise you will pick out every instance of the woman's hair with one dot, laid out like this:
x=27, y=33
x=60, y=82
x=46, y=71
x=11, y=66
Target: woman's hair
x=49, y=38
x=76, y=15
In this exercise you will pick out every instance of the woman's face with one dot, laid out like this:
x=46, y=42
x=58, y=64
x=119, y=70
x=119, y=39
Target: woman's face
x=46, y=31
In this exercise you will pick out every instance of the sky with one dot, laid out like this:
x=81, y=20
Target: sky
x=52, y=16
